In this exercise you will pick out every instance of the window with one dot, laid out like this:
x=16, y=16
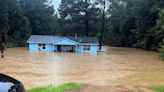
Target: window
x=86, y=47
x=42, y=46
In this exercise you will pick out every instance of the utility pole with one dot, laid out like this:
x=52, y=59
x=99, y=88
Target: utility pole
x=103, y=24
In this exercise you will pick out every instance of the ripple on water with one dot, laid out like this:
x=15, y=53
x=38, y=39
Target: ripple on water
x=117, y=66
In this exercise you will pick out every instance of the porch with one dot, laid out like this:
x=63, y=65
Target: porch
x=65, y=45
x=65, y=48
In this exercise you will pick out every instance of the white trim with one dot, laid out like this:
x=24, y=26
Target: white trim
x=88, y=44
x=65, y=39
x=40, y=42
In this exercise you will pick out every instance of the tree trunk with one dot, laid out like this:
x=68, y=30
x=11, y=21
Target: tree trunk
x=2, y=42
x=86, y=20
x=103, y=25
x=86, y=24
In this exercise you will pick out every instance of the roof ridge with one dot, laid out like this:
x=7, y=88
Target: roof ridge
x=51, y=38
x=65, y=36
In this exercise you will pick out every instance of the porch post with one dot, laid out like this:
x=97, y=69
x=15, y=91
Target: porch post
x=53, y=47
x=76, y=49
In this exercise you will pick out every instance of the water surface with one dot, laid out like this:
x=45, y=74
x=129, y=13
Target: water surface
x=116, y=67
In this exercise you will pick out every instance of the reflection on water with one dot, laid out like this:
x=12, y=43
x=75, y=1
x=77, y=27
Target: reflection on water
x=117, y=66
x=5, y=86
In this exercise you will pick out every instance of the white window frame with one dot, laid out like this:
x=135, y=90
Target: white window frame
x=87, y=47
x=42, y=46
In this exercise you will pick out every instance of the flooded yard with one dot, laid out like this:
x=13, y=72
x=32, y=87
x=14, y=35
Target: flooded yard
x=117, y=67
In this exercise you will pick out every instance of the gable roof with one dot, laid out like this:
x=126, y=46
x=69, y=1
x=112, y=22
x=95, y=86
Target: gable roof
x=85, y=39
x=42, y=39
x=51, y=39
x=65, y=40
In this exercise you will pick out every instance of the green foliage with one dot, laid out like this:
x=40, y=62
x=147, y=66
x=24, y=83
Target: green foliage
x=40, y=15
x=21, y=18
x=132, y=22
x=162, y=52
x=157, y=88
x=10, y=45
x=4, y=26
x=70, y=87
x=78, y=17
x=19, y=25
x=128, y=23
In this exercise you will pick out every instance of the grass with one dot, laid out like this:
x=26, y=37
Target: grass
x=69, y=87
x=157, y=88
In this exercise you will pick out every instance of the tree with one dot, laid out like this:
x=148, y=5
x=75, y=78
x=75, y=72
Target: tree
x=77, y=17
x=125, y=23
x=4, y=26
x=162, y=51
x=2, y=42
x=86, y=18
x=130, y=23
x=40, y=15
x=13, y=22
x=19, y=25
x=103, y=23
x=4, y=16
x=159, y=28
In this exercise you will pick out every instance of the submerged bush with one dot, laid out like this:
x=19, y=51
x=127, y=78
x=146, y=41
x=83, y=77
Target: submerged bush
x=162, y=52
x=10, y=45
x=15, y=44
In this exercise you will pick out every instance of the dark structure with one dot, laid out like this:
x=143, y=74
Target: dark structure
x=17, y=87
x=2, y=43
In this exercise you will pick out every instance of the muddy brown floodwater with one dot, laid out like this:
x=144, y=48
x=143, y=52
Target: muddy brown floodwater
x=117, y=67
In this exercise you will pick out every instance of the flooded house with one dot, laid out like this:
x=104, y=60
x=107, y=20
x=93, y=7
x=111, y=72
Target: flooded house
x=63, y=44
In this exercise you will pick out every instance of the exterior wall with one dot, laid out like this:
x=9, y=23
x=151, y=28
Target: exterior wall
x=33, y=47
x=49, y=47
x=53, y=47
x=93, y=49
x=80, y=48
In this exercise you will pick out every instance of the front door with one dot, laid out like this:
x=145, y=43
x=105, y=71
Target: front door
x=59, y=48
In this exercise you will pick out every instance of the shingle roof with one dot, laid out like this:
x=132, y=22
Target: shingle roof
x=50, y=39
x=42, y=39
x=84, y=39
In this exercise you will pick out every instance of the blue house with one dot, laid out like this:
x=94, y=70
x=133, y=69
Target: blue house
x=63, y=44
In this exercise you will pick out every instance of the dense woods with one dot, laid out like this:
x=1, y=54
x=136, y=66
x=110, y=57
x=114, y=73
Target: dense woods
x=125, y=23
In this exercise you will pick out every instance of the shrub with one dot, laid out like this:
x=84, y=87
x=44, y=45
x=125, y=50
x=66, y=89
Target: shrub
x=162, y=52
x=10, y=45
x=157, y=88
